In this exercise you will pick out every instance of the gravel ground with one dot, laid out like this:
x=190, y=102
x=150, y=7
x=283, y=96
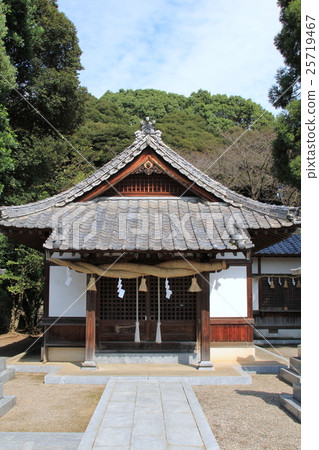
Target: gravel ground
x=245, y=417
x=242, y=417
x=48, y=408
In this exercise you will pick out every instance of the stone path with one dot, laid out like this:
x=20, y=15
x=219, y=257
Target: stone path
x=148, y=414
x=39, y=441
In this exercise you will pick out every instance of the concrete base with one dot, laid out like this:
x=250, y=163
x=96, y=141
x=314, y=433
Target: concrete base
x=205, y=365
x=146, y=358
x=89, y=365
x=231, y=352
x=272, y=341
x=6, y=375
x=2, y=363
x=6, y=403
x=65, y=354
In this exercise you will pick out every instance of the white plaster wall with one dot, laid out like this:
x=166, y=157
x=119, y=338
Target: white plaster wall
x=66, y=255
x=228, y=292
x=61, y=296
x=230, y=255
x=254, y=266
x=278, y=265
x=255, y=294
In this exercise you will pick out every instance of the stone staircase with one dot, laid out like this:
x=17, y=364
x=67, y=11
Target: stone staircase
x=7, y=402
x=292, y=376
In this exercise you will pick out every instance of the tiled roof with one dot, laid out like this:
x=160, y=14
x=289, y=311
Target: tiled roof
x=129, y=224
x=163, y=224
x=290, y=246
x=154, y=141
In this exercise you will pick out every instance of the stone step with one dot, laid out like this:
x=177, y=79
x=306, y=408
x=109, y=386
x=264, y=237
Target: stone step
x=295, y=364
x=6, y=403
x=292, y=405
x=299, y=351
x=6, y=375
x=3, y=363
x=1, y=390
x=146, y=358
x=297, y=391
x=289, y=376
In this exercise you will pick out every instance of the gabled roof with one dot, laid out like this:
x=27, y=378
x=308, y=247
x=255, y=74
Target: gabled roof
x=128, y=224
x=81, y=219
x=288, y=247
x=148, y=137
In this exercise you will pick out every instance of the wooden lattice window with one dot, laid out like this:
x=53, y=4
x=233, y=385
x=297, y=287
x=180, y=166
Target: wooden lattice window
x=180, y=306
x=142, y=184
x=112, y=307
x=279, y=297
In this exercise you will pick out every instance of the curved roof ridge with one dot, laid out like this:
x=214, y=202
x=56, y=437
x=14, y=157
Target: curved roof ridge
x=152, y=139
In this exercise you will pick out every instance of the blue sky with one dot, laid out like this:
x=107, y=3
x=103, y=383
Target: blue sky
x=223, y=46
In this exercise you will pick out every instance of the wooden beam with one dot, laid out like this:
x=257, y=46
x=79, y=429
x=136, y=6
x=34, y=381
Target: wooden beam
x=89, y=362
x=205, y=362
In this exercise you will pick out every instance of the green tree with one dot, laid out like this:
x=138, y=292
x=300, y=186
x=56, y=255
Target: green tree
x=7, y=70
x=287, y=145
x=7, y=143
x=187, y=132
x=43, y=46
x=143, y=103
x=7, y=81
x=288, y=42
x=286, y=94
x=223, y=113
x=23, y=281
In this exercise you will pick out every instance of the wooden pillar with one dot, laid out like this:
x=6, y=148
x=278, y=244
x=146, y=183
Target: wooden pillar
x=205, y=362
x=46, y=303
x=89, y=362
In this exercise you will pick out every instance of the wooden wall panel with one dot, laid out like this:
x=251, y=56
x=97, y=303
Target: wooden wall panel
x=64, y=335
x=237, y=330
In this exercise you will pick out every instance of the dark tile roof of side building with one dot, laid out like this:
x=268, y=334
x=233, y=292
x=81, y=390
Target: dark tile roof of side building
x=290, y=246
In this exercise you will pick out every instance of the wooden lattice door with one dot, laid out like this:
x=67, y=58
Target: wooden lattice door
x=117, y=316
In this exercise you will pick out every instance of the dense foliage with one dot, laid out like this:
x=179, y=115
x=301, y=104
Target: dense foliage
x=286, y=94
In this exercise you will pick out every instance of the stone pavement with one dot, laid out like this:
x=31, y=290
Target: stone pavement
x=39, y=441
x=148, y=414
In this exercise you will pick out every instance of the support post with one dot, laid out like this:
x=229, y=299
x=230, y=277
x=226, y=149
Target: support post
x=44, y=348
x=89, y=362
x=205, y=362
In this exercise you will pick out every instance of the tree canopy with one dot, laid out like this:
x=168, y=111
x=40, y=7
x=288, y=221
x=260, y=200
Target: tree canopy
x=288, y=42
x=286, y=94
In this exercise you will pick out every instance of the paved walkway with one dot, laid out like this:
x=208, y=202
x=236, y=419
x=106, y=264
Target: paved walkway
x=39, y=441
x=148, y=414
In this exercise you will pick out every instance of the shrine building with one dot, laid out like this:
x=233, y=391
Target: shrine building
x=147, y=256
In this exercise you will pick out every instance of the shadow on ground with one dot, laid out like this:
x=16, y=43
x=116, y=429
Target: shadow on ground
x=21, y=346
x=271, y=398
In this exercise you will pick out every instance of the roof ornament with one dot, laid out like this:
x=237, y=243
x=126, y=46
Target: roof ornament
x=147, y=128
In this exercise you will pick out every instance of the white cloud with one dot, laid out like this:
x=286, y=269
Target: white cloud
x=178, y=45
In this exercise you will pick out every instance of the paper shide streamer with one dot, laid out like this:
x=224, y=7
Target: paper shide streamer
x=120, y=289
